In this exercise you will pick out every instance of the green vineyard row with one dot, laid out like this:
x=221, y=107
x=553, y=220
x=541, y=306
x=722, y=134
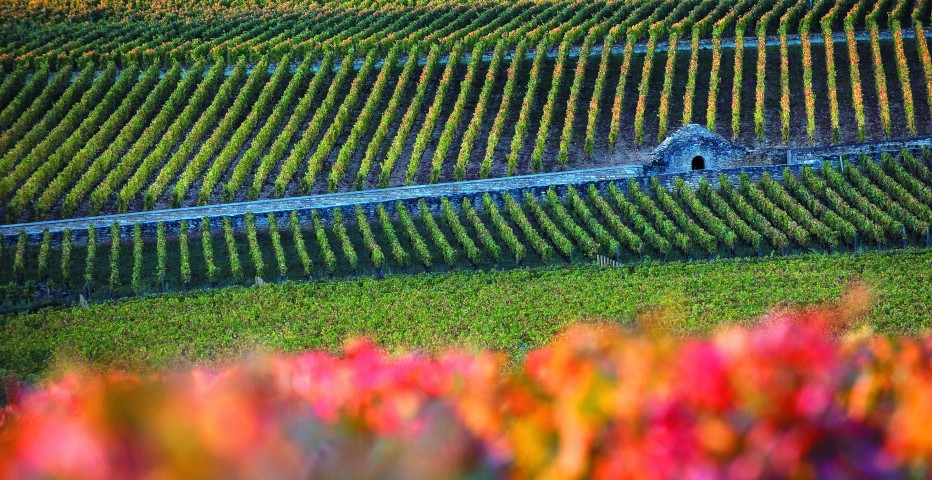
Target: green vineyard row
x=187, y=31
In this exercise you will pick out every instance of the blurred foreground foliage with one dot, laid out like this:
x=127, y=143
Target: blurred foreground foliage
x=805, y=393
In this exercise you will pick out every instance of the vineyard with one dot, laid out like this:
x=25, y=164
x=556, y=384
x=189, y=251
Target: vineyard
x=865, y=204
x=111, y=107
x=465, y=238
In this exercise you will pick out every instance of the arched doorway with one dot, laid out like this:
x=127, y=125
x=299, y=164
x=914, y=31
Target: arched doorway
x=698, y=163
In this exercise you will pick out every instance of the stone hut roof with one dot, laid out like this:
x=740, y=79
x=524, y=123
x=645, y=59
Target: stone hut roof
x=694, y=133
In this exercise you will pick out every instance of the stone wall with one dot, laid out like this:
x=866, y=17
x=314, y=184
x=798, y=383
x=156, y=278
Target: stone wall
x=410, y=197
x=812, y=154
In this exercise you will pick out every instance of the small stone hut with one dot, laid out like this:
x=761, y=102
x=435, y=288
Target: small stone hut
x=692, y=147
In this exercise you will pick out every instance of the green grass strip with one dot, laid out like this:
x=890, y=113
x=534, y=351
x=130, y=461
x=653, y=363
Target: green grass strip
x=512, y=311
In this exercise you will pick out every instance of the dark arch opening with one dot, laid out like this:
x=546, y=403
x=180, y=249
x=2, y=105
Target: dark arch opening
x=698, y=163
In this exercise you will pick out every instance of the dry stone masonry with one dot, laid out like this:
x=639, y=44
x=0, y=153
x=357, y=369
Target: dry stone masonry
x=691, y=153
x=694, y=148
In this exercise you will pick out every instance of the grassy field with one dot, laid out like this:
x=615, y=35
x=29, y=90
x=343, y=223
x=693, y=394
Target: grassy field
x=509, y=311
